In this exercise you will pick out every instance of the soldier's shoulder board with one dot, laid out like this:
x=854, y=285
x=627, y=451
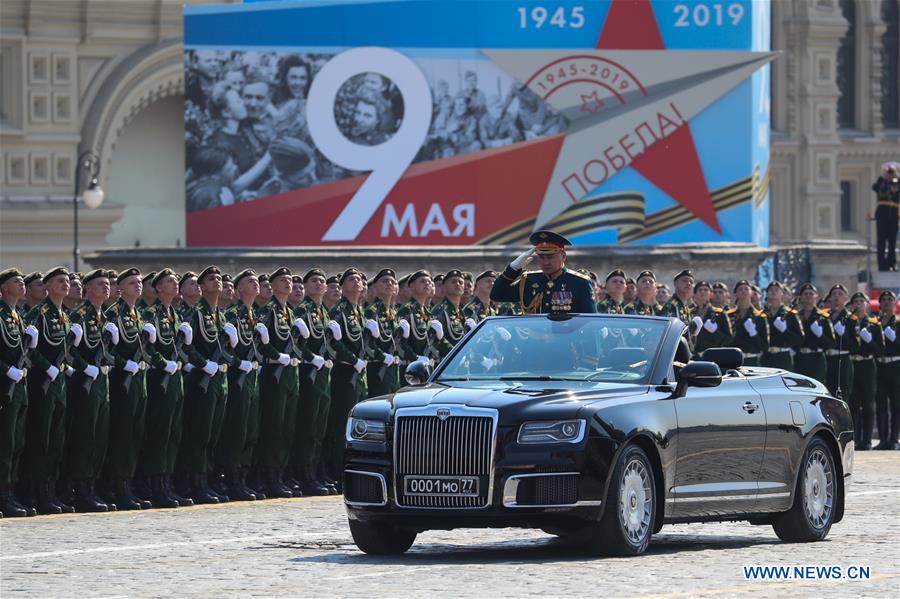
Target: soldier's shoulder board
x=718, y=310
x=731, y=311
x=826, y=312
x=579, y=275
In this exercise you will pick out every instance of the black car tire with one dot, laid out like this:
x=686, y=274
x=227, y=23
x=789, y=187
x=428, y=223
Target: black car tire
x=627, y=523
x=812, y=513
x=381, y=539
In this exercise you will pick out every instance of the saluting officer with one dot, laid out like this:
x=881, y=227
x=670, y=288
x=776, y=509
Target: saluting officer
x=88, y=405
x=785, y=329
x=384, y=377
x=420, y=332
x=165, y=389
x=887, y=392
x=840, y=368
x=681, y=304
x=449, y=312
x=613, y=303
x=711, y=325
x=645, y=304
x=818, y=335
x=315, y=387
x=553, y=288
x=481, y=306
x=45, y=429
x=16, y=341
x=750, y=326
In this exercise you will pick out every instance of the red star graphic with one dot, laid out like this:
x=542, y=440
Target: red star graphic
x=671, y=164
x=591, y=102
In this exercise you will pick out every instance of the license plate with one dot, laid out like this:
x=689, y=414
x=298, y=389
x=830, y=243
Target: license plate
x=446, y=486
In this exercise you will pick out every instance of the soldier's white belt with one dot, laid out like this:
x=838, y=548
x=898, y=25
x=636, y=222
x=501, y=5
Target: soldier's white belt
x=778, y=350
x=860, y=358
x=888, y=359
x=835, y=352
x=809, y=350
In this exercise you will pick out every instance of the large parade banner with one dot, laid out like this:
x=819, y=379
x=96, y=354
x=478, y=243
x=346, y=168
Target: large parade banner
x=459, y=122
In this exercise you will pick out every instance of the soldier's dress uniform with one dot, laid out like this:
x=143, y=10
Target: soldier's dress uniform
x=810, y=357
x=753, y=346
x=782, y=344
x=13, y=402
x=453, y=321
x=384, y=379
x=864, y=378
x=609, y=305
x=887, y=392
x=45, y=433
x=477, y=310
x=721, y=334
x=675, y=307
x=840, y=367
x=421, y=341
x=639, y=308
x=887, y=191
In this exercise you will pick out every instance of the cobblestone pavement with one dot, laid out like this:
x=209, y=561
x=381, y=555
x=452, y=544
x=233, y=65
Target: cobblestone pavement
x=302, y=547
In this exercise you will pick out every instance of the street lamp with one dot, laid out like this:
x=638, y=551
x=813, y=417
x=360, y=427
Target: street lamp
x=93, y=195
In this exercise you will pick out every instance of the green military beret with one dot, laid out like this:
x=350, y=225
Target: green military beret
x=333, y=279
x=887, y=293
x=742, y=282
x=112, y=274
x=208, y=272
x=646, y=273
x=187, y=276
x=616, y=272
x=296, y=278
x=418, y=275
x=314, y=272
x=280, y=272
x=468, y=276
x=59, y=270
x=486, y=274
x=806, y=286
x=263, y=278
x=9, y=273
x=719, y=285
x=162, y=275
x=226, y=278
x=701, y=284
x=75, y=275
x=128, y=272
x=384, y=272
x=33, y=276
x=247, y=272
x=629, y=281
x=859, y=294
x=349, y=273
x=687, y=272
x=148, y=278
x=404, y=280
x=453, y=273
x=95, y=274
x=834, y=288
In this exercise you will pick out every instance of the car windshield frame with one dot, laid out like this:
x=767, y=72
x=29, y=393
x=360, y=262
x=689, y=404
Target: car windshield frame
x=654, y=374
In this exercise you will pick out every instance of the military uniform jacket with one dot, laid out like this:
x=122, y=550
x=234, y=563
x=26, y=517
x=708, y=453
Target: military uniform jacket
x=792, y=337
x=810, y=341
x=849, y=341
x=478, y=311
x=609, y=305
x=535, y=292
x=741, y=338
x=316, y=318
x=639, y=308
x=245, y=321
x=675, y=308
x=53, y=326
x=508, y=308
x=388, y=326
x=166, y=320
x=93, y=349
x=421, y=339
x=209, y=342
x=723, y=333
x=12, y=340
x=875, y=347
x=891, y=348
x=131, y=346
x=279, y=318
x=453, y=320
x=354, y=336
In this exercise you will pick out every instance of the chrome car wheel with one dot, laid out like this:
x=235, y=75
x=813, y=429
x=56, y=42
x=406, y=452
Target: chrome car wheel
x=635, y=501
x=818, y=490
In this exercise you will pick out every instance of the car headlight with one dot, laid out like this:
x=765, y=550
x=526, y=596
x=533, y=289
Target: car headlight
x=552, y=431
x=361, y=429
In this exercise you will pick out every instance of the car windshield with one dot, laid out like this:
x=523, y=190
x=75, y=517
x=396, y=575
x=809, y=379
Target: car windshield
x=599, y=349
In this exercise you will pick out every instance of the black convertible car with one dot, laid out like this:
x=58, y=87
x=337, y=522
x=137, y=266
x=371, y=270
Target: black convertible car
x=597, y=426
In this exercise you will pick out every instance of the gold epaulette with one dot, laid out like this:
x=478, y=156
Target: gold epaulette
x=826, y=312
x=578, y=274
x=875, y=320
x=715, y=309
x=731, y=311
x=794, y=311
x=854, y=317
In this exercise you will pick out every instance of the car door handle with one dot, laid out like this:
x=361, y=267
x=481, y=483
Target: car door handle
x=750, y=407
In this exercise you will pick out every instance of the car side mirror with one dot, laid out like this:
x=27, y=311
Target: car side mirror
x=417, y=373
x=698, y=374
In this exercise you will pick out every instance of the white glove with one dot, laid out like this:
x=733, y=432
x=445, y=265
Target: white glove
x=404, y=326
x=224, y=367
x=750, y=327
x=890, y=334
x=373, y=328
x=865, y=335
x=698, y=322
x=52, y=372
x=329, y=364
x=210, y=368
x=131, y=367
x=604, y=332
x=318, y=362
x=231, y=332
x=170, y=367
x=301, y=327
x=839, y=328
x=91, y=371
x=263, y=333
x=522, y=259
x=113, y=331
x=816, y=329
x=69, y=371
x=471, y=324
x=360, y=365
x=487, y=363
x=335, y=329
x=506, y=335
x=151, y=332
x=15, y=374
x=186, y=330
x=711, y=326
x=245, y=366
x=438, y=329
x=284, y=359
x=32, y=333
x=188, y=367
x=78, y=332
x=780, y=324
x=389, y=359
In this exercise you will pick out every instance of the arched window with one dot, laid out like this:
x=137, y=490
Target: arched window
x=846, y=69
x=890, y=65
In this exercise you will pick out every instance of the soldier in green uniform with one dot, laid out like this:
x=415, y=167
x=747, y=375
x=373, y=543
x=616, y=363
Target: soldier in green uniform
x=226, y=298
x=840, y=368
x=403, y=293
x=438, y=295
x=35, y=292
x=127, y=390
x=348, y=378
x=785, y=329
x=148, y=293
x=279, y=385
x=16, y=341
x=481, y=306
x=553, y=288
x=189, y=291
x=645, y=303
x=681, y=304
x=720, y=294
x=384, y=377
x=871, y=346
x=887, y=392
x=88, y=404
x=114, y=294
x=749, y=325
x=46, y=421
x=613, y=303
x=165, y=389
x=206, y=388
x=298, y=292
x=449, y=312
x=315, y=387
x=76, y=293
x=332, y=292
x=419, y=332
x=242, y=389
x=265, y=292
x=818, y=335
x=711, y=325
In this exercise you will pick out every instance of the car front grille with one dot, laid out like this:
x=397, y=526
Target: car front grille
x=459, y=445
x=363, y=488
x=559, y=489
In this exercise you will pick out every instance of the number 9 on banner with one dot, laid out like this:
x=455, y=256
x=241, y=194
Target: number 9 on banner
x=386, y=161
